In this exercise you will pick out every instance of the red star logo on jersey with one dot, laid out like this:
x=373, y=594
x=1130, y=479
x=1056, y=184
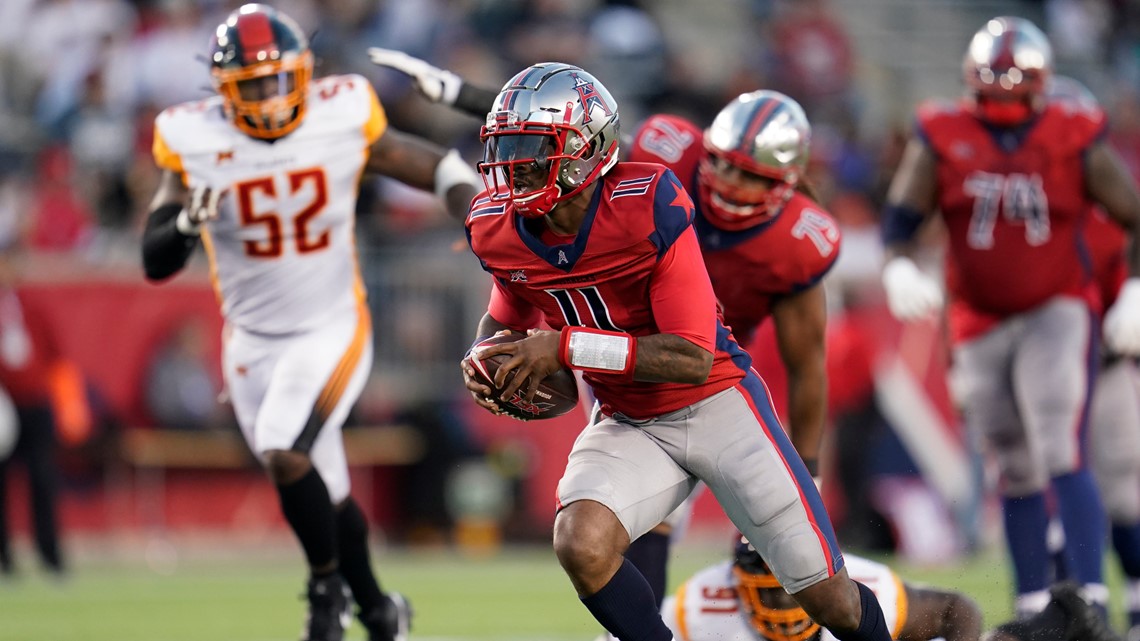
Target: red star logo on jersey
x=681, y=199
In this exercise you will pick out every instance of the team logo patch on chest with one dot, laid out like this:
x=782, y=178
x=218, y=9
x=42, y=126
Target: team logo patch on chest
x=224, y=156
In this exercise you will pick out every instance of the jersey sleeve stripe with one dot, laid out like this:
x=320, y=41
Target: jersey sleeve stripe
x=377, y=121
x=164, y=156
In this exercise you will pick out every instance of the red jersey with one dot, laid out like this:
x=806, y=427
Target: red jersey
x=752, y=267
x=634, y=266
x=28, y=351
x=1014, y=203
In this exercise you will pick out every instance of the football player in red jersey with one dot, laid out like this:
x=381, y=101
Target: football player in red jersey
x=266, y=175
x=765, y=241
x=605, y=254
x=1014, y=177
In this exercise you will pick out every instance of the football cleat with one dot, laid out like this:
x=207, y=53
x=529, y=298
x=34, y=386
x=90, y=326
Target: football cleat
x=1084, y=622
x=390, y=621
x=329, y=609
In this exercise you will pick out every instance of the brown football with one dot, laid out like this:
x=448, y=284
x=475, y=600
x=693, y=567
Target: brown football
x=556, y=395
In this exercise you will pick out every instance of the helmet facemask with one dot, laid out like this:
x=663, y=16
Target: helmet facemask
x=773, y=623
x=772, y=611
x=756, y=152
x=266, y=100
x=739, y=196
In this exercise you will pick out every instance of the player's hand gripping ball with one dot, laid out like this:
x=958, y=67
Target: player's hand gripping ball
x=556, y=395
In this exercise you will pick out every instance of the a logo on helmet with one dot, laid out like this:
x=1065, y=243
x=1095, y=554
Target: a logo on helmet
x=589, y=97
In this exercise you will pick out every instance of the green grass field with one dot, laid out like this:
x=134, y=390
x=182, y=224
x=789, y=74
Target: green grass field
x=519, y=594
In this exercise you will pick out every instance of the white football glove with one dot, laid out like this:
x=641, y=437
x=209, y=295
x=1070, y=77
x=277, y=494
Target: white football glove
x=203, y=207
x=911, y=294
x=437, y=85
x=1122, y=321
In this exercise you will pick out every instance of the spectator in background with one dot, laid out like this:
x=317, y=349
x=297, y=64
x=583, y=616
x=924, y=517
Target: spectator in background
x=28, y=361
x=60, y=220
x=182, y=389
x=813, y=58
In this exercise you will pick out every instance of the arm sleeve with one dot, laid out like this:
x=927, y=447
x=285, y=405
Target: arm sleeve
x=682, y=295
x=475, y=101
x=512, y=311
x=165, y=249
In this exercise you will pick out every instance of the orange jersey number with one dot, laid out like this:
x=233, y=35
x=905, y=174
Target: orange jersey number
x=273, y=244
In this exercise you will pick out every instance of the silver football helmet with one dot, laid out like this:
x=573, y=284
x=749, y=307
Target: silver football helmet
x=1007, y=66
x=756, y=152
x=552, y=131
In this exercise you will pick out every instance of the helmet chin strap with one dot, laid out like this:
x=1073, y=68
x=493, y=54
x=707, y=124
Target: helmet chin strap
x=540, y=204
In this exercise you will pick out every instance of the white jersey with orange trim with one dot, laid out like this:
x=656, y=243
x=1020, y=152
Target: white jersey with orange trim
x=706, y=608
x=282, y=250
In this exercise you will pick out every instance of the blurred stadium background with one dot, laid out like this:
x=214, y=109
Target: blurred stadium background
x=169, y=531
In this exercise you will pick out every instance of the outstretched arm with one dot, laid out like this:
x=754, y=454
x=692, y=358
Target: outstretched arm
x=911, y=294
x=425, y=165
x=435, y=84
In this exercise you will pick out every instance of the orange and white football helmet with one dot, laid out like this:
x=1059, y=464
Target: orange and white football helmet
x=261, y=65
x=772, y=611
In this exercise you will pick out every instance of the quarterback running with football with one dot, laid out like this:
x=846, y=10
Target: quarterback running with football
x=265, y=174
x=1014, y=176
x=605, y=254
x=766, y=243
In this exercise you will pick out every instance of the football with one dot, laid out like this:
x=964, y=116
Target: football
x=556, y=395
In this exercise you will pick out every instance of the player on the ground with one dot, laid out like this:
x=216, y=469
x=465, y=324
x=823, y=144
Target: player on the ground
x=604, y=253
x=1013, y=177
x=266, y=175
x=741, y=600
x=766, y=242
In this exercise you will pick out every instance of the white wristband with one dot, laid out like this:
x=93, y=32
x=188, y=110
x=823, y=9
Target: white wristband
x=597, y=351
x=185, y=226
x=452, y=170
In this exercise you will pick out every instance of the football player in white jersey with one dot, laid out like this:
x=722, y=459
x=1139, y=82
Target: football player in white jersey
x=740, y=600
x=266, y=175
